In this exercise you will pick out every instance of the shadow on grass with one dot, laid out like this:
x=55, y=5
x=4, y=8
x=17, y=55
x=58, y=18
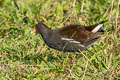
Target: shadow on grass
x=39, y=58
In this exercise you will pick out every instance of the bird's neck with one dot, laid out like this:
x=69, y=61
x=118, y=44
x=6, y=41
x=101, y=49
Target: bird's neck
x=46, y=32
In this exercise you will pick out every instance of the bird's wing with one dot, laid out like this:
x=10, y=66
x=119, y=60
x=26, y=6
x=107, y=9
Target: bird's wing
x=75, y=34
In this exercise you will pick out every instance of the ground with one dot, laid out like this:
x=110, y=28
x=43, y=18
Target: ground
x=26, y=57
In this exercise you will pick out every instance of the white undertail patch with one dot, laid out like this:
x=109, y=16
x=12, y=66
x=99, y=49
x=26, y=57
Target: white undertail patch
x=97, y=28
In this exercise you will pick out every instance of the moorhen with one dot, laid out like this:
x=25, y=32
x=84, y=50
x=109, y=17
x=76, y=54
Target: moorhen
x=72, y=38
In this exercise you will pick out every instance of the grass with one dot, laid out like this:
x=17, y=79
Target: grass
x=26, y=57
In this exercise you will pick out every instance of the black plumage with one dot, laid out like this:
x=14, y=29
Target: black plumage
x=72, y=38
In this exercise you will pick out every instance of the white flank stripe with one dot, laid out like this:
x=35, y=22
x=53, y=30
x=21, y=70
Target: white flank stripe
x=71, y=40
x=81, y=45
x=75, y=42
x=90, y=45
x=97, y=28
x=66, y=39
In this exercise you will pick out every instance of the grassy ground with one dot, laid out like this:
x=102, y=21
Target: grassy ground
x=25, y=56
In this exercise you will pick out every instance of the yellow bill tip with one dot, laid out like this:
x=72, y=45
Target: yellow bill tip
x=33, y=31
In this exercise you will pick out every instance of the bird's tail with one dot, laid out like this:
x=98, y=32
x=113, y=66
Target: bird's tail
x=98, y=26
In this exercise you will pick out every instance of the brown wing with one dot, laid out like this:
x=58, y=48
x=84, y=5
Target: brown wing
x=77, y=33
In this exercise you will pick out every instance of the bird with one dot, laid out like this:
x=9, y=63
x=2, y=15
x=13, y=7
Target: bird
x=71, y=38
